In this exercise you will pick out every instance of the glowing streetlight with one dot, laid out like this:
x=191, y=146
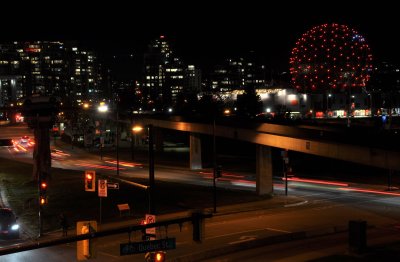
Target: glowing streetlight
x=137, y=129
x=102, y=108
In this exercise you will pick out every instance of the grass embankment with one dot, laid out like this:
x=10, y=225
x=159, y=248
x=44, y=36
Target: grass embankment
x=66, y=194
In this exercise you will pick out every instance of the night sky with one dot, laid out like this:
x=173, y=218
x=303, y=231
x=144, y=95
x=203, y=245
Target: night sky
x=202, y=32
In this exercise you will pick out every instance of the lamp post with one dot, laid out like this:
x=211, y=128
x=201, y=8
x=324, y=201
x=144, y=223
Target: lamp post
x=132, y=141
x=151, y=169
x=214, y=168
x=150, y=189
x=117, y=140
x=103, y=108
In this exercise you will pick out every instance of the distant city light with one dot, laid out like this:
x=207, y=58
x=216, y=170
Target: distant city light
x=137, y=129
x=103, y=107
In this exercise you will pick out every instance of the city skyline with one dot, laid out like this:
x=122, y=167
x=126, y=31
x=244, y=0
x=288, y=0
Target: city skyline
x=203, y=34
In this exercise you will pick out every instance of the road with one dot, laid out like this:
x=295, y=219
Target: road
x=322, y=207
x=321, y=210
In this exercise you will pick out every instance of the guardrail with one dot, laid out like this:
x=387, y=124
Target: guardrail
x=195, y=218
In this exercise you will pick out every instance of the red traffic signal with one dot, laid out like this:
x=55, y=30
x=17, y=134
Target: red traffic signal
x=43, y=186
x=42, y=191
x=90, y=180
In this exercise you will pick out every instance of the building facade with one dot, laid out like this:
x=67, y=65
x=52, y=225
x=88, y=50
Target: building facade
x=49, y=68
x=165, y=76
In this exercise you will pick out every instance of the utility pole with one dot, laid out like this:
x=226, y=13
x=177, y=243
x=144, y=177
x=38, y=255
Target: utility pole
x=151, y=169
x=132, y=139
x=40, y=113
x=214, y=168
x=117, y=135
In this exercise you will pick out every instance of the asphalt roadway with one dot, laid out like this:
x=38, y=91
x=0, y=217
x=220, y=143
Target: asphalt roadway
x=196, y=252
x=331, y=242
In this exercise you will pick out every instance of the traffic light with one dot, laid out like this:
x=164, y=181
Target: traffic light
x=43, y=190
x=43, y=200
x=157, y=256
x=90, y=180
x=86, y=243
x=43, y=187
x=86, y=248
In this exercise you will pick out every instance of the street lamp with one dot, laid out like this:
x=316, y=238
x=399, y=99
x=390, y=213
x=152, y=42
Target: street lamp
x=117, y=138
x=137, y=129
x=102, y=108
x=214, y=168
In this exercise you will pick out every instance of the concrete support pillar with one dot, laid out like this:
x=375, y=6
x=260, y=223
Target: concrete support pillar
x=195, y=152
x=264, y=185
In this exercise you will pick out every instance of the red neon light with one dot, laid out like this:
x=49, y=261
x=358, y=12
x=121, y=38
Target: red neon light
x=32, y=50
x=99, y=166
x=296, y=179
x=232, y=175
x=370, y=191
x=127, y=164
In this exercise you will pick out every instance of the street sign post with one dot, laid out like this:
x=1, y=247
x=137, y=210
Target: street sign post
x=102, y=188
x=113, y=185
x=150, y=219
x=147, y=246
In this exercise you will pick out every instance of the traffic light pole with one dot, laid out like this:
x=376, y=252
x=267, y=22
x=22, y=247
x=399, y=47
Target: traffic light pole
x=117, y=137
x=132, y=140
x=40, y=206
x=214, y=169
x=151, y=170
x=100, y=213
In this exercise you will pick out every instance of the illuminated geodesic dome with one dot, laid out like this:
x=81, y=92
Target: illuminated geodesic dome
x=330, y=57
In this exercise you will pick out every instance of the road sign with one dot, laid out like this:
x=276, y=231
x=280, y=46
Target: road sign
x=150, y=219
x=113, y=185
x=102, y=188
x=147, y=246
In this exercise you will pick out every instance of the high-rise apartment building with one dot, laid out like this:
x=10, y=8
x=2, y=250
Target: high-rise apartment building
x=50, y=68
x=166, y=76
x=238, y=73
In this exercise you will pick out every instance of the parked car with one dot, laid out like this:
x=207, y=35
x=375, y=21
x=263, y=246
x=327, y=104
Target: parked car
x=8, y=224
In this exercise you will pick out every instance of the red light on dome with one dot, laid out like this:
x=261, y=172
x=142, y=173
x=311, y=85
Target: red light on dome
x=346, y=49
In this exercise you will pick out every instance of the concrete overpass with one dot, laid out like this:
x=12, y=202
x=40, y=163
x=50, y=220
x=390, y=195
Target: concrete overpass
x=291, y=138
